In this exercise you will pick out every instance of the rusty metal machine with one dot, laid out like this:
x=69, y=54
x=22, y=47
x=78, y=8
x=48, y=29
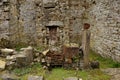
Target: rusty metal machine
x=69, y=58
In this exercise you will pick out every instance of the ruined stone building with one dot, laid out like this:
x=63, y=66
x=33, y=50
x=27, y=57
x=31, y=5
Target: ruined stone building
x=54, y=22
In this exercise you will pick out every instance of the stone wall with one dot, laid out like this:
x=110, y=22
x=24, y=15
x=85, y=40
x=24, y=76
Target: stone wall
x=31, y=22
x=4, y=21
x=28, y=21
x=105, y=28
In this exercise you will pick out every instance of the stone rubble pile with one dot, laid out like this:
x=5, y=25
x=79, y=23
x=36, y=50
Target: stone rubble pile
x=10, y=58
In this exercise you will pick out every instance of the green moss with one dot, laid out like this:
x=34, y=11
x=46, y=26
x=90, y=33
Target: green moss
x=20, y=45
x=22, y=71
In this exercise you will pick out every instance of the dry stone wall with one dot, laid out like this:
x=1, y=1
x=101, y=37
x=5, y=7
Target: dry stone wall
x=30, y=21
x=104, y=16
x=4, y=19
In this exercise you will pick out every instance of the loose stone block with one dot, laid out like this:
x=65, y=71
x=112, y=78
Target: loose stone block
x=21, y=60
x=7, y=51
x=28, y=52
x=71, y=78
x=2, y=64
x=35, y=77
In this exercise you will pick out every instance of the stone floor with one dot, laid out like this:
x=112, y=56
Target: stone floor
x=114, y=72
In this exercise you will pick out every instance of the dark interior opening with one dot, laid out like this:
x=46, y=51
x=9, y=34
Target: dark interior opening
x=53, y=32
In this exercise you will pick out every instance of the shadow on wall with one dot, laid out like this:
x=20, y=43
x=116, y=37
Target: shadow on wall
x=4, y=43
x=76, y=38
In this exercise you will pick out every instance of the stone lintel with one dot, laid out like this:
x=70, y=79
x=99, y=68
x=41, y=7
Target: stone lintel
x=54, y=23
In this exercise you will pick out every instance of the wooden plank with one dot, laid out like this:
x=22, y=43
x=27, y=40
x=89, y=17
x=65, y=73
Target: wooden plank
x=86, y=45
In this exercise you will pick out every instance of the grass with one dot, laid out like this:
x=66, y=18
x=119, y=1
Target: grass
x=60, y=73
x=104, y=62
x=19, y=46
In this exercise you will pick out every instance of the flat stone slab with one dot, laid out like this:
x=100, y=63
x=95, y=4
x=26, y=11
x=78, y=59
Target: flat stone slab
x=6, y=51
x=8, y=76
x=10, y=57
x=55, y=23
x=49, y=1
x=35, y=77
x=71, y=78
x=71, y=45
